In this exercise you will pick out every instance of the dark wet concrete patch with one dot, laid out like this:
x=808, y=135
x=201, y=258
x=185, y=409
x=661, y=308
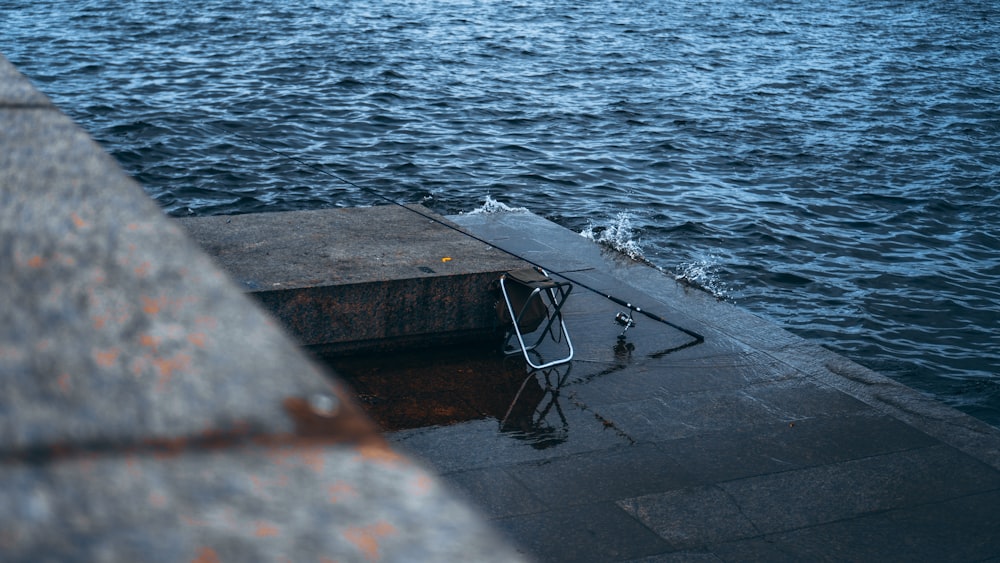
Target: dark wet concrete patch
x=497, y=492
x=440, y=386
x=596, y=532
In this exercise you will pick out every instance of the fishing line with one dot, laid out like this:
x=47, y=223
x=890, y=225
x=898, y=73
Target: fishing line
x=625, y=321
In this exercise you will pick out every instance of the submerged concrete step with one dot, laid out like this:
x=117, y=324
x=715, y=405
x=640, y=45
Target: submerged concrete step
x=360, y=279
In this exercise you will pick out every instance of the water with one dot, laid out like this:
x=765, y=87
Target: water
x=832, y=166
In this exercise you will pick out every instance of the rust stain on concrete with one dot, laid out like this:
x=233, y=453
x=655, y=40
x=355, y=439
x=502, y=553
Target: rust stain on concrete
x=151, y=306
x=341, y=490
x=206, y=555
x=167, y=366
x=366, y=538
x=78, y=221
x=63, y=381
x=106, y=358
x=265, y=530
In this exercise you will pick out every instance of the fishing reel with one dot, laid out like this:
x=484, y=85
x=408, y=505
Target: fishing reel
x=624, y=319
x=623, y=348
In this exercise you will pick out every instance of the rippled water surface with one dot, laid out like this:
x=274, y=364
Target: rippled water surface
x=833, y=166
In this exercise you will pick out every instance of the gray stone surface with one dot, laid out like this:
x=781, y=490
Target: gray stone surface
x=356, y=279
x=150, y=411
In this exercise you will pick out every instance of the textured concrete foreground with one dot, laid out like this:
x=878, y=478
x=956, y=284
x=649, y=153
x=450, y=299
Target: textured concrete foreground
x=149, y=411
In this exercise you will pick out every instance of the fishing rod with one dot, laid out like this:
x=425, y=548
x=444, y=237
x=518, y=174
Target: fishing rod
x=623, y=319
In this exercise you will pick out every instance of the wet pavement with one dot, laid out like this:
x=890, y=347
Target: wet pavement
x=750, y=445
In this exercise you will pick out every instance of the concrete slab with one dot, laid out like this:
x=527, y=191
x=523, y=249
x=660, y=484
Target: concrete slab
x=348, y=280
x=750, y=445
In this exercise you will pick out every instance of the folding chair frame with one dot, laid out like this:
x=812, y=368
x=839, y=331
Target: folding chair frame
x=541, y=288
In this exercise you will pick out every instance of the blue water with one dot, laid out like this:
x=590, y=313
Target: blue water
x=833, y=166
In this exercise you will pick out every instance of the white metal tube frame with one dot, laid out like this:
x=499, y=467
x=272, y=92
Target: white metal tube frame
x=557, y=293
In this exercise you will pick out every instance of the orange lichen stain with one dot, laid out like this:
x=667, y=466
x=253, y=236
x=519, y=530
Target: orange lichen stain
x=193, y=522
x=64, y=383
x=149, y=341
x=366, y=538
x=132, y=226
x=66, y=260
x=166, y=367
x=78, y=221
x=158, y=500
x=262, y=486
x=379, y=454
x=265, y=530
x=197, y=339
x=151, y=306
x=281, y=455
x=106, y=358
x=206, y=555
x=100, y=321
x=340, y=491
x=313, y=459
x=423, y=484
x=36, y=261
x=142, y=269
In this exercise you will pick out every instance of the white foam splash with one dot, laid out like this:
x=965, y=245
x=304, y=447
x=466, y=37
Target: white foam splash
x=617, y=235
x=703, y=274
x=493, y=206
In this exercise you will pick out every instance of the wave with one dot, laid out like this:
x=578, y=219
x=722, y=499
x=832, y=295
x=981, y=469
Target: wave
x=493, y=206
x=618, y=235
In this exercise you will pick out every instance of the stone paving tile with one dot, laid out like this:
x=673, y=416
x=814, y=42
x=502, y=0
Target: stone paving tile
x=913, y=534
x=598, y=532
x=817, y=495
x=496, y=492
x=661, y=418
x=692, y=517
x=645, y=378
x=735, y=454
x=603, y=475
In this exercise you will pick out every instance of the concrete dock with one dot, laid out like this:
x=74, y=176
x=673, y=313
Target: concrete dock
x=151, y=410
x=754, y=445
x=750, y=445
